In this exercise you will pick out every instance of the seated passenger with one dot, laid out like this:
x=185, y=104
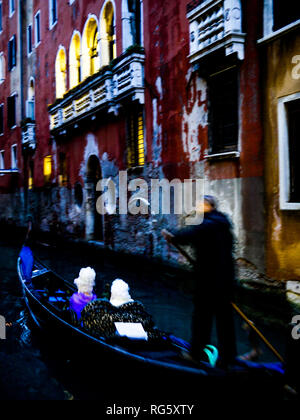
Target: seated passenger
x=99, y=317
x=85, y=284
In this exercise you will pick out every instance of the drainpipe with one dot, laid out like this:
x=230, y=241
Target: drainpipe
x=25, y=192
x=21, y=56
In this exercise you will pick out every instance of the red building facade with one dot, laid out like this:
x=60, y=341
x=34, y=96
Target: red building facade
x=159, y=91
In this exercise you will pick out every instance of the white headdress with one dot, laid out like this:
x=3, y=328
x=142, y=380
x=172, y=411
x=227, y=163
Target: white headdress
x=120, y=293
x=86, y=280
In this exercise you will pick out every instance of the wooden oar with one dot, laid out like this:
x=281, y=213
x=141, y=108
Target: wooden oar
x=237, y=309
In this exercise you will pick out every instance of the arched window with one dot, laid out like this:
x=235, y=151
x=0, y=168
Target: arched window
x=90, y=57
x=108, y=34
x=61, y=73
x=75, y=61
x=30, y=111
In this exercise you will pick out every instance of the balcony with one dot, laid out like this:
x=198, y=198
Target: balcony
x=28, y=135
x=122, y=81
x=215, y=24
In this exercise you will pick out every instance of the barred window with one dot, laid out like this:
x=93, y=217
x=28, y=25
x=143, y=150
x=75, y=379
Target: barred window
x=136, y=146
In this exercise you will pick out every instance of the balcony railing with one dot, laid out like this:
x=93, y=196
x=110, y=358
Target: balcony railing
x=215, y=24
x=103, y=91
x=28, y=135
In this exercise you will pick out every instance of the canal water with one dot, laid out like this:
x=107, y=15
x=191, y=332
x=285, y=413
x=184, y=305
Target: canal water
x=31, y=370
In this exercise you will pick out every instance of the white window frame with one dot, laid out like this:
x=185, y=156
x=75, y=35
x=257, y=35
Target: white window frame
x=1, y=17
x=268, y=23
x=3, y=69
x=284, y=161
x=14, y=156
x=37, y=39
x=11, y=39
x=28, y=45
x=2, y=159
x=12, y=7
x=51, y=23
x=2, y=106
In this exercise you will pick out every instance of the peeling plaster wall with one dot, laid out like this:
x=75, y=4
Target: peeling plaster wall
x=176, y=133
x=283, y=227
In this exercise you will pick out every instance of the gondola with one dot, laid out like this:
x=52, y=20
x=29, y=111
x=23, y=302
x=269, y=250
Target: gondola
x=138, y=365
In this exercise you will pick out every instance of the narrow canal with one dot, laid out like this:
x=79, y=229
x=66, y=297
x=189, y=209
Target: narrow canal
x=31, y=370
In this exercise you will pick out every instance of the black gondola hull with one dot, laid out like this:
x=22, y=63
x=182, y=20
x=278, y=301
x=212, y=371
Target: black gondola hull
x=123, y=374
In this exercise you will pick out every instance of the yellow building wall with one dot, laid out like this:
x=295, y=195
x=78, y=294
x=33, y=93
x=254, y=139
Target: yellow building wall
x=283, y=227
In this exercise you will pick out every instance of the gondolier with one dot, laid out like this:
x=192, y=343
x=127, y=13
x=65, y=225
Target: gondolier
x=214, y=280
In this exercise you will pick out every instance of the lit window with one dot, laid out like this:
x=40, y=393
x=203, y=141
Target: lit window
x=2, y=161
x=90, y=58
x=14, y=157
x=136, y=145
x=75, y=65
x=63, y=176
x=60, y=72
x=108, y=35
x=37, y=21
x=29, y=39
x=52, y=13
x=47, y=168
x=30, y=176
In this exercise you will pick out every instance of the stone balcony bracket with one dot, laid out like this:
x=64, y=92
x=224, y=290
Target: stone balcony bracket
x=216, y=24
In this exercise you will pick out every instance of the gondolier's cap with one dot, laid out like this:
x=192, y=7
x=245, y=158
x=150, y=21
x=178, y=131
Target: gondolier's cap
x=120, y=293
x=212, y=201
x=86, y=280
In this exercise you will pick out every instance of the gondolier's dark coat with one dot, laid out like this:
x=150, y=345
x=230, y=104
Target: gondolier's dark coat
x=213, y=244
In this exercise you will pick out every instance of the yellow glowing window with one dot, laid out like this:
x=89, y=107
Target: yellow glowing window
x=30, y=181
x=47, y=168
x=61, y=73
x=63, y=175
x=136, y=144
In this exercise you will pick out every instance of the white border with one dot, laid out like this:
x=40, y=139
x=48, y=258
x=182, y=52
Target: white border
x=1, y=16
x=2, y=159
x=14, y=146
x=14, y=36
x=2, y=134
x=51, y=23
x=29, y=53
x=37, y=43
x=284, y=161
x=12, y=12
x=3, y=70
